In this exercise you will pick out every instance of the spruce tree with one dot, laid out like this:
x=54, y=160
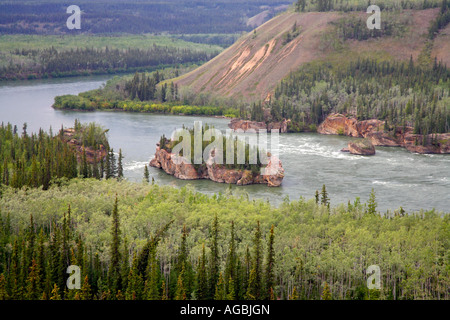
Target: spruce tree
x=55, y=293
x=202, y=280
x=325, y=199
x=372, y=203
x=180, y=293
x=120, y=166
x=220, y=293
x=214, y=258
x=3, y=284
x=115, y=264
x=146, y=174
x=326, y=293
x=135, y=283
x=270, y=265
x=231, y=264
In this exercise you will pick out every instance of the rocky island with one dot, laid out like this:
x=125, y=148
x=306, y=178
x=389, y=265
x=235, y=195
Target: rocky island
x=240, y=175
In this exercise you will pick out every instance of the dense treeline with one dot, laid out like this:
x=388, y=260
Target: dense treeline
x=71, y=102
x=38, y=160
x=143, y=92
x=361, y=5
x=402, y=93
x=223, y=40
x=442, y=20
x=354, y=27
x=165, y=243
x=51, y=62
x=35, y=267
x=176, y=17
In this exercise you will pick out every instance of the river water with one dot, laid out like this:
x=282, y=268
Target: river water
x=399, y=178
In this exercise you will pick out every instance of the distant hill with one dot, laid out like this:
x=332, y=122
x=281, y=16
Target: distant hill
x=251, y=68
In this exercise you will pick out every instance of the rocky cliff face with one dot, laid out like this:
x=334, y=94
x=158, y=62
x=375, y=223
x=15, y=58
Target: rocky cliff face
x=173, y=165
x=373, y=130
x=246, y=125
x=92, y=155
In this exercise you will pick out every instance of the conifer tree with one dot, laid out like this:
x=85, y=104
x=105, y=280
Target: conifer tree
x=220, y=293
x=120, y=166
x=231, y=264
x=146, y=174
x=231, y=295
x=152, y=284
x=325, y=199
x=85, y=293
x=257, y=289
x=326, y=293
x=3, y=292
x=214, y=257
x=55, y=293
x=115, y=264
x=180, y=293
x=202, y=280
x=135, y=283
x=164, y=291
x=294, y=295
x=372, y=203
x=33, y=280
x=270, y=265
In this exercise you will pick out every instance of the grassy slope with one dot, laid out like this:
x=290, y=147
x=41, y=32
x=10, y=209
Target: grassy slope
x=251, y=68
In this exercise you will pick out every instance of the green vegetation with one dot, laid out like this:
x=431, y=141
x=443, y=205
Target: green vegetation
x=31, y=57
x=442, y=20
x=402, y=93
x=158, y=242
x=292, y=34
x=354, y=27
x=133, y=17
x=251, y=155
x=361, y=5
x=40, y=160
x=143, y=92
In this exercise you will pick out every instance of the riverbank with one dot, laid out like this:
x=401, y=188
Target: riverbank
x=373, y=129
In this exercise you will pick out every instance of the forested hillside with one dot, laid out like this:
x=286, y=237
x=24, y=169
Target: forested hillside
x=152, y=242
x=143, y=16
x=40, y=160
x=403, y=94
x=252, y=68
x=31, y=57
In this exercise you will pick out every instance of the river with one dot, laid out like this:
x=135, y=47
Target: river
x=399, y=178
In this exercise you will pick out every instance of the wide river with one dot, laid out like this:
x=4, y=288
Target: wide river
x=399, y=178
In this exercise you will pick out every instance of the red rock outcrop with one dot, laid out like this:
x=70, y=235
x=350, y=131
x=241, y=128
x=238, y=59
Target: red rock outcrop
x=373, y=130
x=173, y=165
x=92, y=155
x=362, y=148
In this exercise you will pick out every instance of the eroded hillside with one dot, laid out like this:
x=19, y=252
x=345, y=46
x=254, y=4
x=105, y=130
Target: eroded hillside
x=251, y=68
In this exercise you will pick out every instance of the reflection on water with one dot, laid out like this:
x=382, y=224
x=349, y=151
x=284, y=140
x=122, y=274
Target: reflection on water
x=398, y=177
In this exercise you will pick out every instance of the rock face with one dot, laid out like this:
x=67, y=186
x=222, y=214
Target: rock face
x=245, y=125
x=92, y=155
x=173, y=165
x=373, y=130
x=361, y=147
